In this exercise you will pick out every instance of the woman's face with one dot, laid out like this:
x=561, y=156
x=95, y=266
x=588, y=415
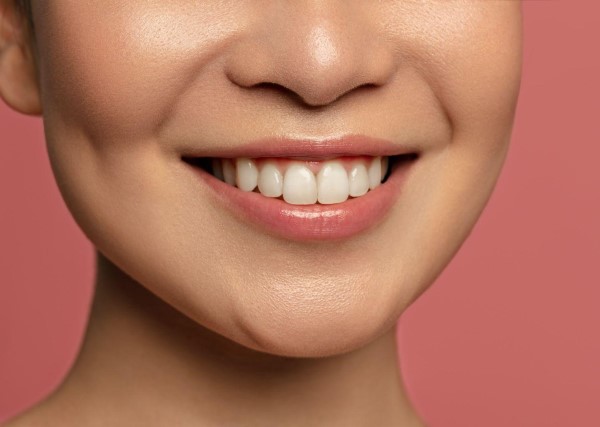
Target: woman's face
x=132, y=90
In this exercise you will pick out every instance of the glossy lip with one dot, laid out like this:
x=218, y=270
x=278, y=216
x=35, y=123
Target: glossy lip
x=310, y=222
x=309, y=149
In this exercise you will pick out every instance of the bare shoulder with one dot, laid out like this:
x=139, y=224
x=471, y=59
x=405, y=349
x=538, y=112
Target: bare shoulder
x=46, y=413
x=31, y=418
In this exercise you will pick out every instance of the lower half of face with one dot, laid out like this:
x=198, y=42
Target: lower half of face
x=290, y=176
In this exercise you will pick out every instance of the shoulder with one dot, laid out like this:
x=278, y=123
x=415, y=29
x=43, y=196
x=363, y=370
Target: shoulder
x=30, y=418
x=47, y=413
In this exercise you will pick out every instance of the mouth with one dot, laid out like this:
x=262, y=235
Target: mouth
x=320, y=193
x=303, y=181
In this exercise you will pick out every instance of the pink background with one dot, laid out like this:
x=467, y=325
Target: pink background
x=508, y=336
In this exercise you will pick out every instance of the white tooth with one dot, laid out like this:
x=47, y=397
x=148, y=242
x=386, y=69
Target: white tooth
x=229, y=172
x=384, y=166
x=375, y=173
x=359, y=180
x=299, y=185
x=247, y=174
x=270, y=180
x=217, y=168
x=332, y=183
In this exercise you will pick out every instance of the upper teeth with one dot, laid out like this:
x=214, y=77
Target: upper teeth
x=304, y=183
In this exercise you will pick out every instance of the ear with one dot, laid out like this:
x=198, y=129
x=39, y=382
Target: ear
x=18, y=79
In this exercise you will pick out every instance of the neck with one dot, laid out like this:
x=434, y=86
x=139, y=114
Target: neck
x=147, y=364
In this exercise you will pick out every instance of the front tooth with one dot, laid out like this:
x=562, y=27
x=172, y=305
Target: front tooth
x=229, y=172
x=299, y=185
x=359, y=180
x=375, y=173
x=270, y=181
x=332, y=183
x=247, y=174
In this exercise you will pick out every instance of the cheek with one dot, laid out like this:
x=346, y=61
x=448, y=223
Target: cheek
x=473, y=66
x=470, y=55
x=478, y=75
x=117, y=68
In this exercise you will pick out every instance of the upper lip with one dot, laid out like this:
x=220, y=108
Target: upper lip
x=313, y=148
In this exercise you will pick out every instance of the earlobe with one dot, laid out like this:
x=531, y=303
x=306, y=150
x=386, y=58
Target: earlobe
x=18, y=81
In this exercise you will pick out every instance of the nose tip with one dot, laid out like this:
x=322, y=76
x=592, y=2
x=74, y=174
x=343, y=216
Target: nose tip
x=319, y=59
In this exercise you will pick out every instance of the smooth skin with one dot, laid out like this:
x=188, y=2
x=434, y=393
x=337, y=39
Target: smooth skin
x=200, y=318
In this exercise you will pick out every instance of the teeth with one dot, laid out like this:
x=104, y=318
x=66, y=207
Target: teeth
x=299, y=185
x=375, y=173
x=384, y=167
x=229, y=172
x=359, y=180
x=247, y=174
x=334, y=182
x=217, y=167
x=270, y=181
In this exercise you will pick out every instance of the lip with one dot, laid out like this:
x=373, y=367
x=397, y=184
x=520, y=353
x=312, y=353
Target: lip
x=319, y=149
x=311, y=222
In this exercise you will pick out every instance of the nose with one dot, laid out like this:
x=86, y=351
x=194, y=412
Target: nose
x=317, y=50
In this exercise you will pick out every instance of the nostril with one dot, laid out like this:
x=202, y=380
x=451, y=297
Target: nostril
x=271, y=85
x=307, y=101
x=277, y=88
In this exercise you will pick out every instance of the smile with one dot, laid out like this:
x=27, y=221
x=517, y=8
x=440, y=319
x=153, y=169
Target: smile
x=304, y=190
x=301, y=182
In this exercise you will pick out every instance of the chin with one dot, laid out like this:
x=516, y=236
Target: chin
x=305, y=336
x=308, y=325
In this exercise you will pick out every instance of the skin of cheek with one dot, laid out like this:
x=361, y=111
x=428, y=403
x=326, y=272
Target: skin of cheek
x=114, y=110
x=475, y=73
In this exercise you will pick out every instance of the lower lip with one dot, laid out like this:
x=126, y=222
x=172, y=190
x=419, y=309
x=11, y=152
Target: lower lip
x=310, y=222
